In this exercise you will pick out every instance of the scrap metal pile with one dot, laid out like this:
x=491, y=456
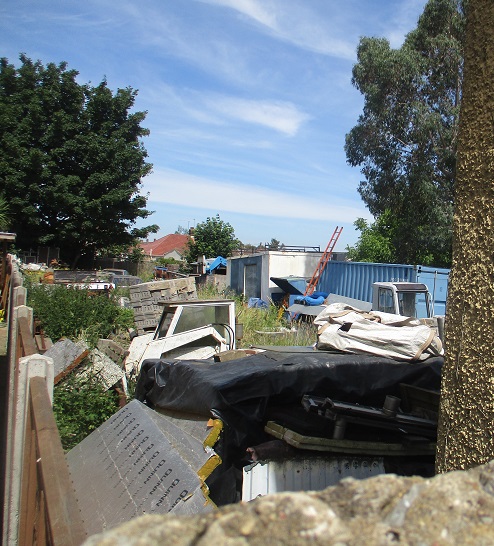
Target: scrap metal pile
x=314, y=401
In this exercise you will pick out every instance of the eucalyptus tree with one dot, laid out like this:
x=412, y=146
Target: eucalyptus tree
x=71, y=160
x=405, y=140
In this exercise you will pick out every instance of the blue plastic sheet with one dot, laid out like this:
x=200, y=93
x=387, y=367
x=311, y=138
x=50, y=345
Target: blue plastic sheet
x=257, y=303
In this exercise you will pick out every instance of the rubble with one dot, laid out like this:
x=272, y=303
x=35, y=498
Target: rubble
x=67, y=355
x=105, y=362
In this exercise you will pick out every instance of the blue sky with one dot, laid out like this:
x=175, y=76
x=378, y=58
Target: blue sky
x=248, y=101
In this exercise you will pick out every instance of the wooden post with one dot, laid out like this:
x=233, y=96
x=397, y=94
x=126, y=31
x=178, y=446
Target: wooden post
x=65, y=526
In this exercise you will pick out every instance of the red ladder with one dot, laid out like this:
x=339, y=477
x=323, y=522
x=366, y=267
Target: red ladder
x=323, y=261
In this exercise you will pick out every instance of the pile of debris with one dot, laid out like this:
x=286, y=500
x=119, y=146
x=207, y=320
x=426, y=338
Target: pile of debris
x=105, y=362
x=211, y=426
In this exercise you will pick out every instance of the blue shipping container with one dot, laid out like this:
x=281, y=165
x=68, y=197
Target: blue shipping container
x=355, y=279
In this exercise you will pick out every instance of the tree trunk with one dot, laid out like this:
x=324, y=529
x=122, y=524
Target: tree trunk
x=466, y=421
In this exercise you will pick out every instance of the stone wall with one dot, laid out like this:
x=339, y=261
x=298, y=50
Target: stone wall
x=455, y=508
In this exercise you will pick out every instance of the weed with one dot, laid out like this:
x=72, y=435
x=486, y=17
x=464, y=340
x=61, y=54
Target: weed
x=68, y=312
x=81, y=404
x=261, y=327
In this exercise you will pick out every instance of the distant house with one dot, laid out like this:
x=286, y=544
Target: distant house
x=169, y=246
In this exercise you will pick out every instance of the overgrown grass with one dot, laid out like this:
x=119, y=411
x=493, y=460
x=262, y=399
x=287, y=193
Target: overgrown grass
x=261, y=327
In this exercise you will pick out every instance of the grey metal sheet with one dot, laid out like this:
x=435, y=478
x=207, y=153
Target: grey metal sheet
x=311, y=310
x=359, y=304
x=314, y=310
x=305, y=474
x=138, y=462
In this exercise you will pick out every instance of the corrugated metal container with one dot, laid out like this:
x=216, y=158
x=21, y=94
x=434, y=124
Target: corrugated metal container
x=305, y=474
x=354, y=279
x=436, y=280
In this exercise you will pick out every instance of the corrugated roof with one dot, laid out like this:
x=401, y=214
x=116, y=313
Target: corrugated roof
x=165, y=245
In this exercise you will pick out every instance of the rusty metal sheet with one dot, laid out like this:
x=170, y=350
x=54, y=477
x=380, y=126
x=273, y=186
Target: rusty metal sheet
x=139, y=462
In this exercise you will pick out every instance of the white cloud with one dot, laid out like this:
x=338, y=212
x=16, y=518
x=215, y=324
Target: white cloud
x=217, y=109
x=281, y=116
x=251, y=8
x=293, y=22
x=181, y=189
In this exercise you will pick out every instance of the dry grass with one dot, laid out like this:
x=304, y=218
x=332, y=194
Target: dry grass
x=270, y=326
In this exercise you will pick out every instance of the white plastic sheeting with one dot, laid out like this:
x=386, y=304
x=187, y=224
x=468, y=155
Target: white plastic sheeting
x=351, y=330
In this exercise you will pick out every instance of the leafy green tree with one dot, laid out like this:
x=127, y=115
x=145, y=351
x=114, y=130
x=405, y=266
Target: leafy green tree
x=274, y=244
x=4, y=213
x=212, y=238
x=375, y=243
x=132, y=252
x=405, y=139
x=71, y=160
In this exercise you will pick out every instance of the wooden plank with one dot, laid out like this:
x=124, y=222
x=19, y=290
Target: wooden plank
x=234, y=354
x=28, y=486
x=43, y=343
x=32, y=512
x=5, y=293
x=63, y=515
x=40, y=524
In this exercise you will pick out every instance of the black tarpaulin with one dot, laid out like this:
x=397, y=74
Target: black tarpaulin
x=240, y=391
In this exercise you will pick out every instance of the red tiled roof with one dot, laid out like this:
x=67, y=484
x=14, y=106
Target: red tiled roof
x=165, y=245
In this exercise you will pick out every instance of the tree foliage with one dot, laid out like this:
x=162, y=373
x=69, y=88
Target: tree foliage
x=182, y=230
x=212, y=238
x=405, y=139
x=274, y=244
x=71, y=159
x=375, y=241
x=4, y=213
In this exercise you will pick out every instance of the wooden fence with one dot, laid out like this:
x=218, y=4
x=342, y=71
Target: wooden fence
x=39, y=503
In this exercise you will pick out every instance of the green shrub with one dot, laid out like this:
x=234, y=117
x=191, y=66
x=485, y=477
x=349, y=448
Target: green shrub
x=81, y=404
x=77, y=312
